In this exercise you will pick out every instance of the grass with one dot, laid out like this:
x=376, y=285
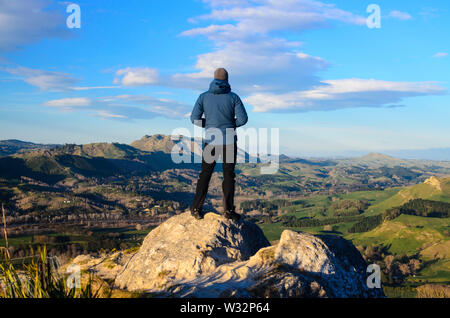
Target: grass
x=433, y=291
x=318, y=203
x=39, y=279
x=436, y=272
x=130, y=236
x=419, y=191
x=400, y=292
x=272, y=231
x=407, y=234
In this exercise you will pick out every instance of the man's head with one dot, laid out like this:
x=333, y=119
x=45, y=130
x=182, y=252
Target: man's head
x=221, y=74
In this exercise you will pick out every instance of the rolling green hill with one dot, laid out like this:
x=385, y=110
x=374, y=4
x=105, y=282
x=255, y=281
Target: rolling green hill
x=409, y=234
x=104, y=150
x=432, y=189
x=90, y=160
x=154, y=143
x=13, y=146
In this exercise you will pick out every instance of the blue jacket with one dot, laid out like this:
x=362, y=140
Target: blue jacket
x=222, y=109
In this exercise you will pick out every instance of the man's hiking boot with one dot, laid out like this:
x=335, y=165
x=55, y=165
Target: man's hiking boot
x=196, y=213
x=232, y=215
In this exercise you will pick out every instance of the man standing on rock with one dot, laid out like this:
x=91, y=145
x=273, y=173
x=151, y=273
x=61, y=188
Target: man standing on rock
x=223, y=112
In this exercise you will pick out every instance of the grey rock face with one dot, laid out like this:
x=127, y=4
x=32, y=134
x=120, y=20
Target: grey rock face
x=301, y=265
x=215, y=257
x=105, y=266
x=184, y=248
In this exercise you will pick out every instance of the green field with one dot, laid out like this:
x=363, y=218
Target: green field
x=426, y=238
x=419, y=191
x=407, y=234
x=437, y=271
x=91, y=240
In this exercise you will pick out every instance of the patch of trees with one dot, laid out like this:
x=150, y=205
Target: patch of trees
x=272, y=205
x=366, y=224
x=79, y=241
x=395, y=268
x=265, y=205
x=420, y=207
x=292, y=221
x=398, y=171
x=349, y=207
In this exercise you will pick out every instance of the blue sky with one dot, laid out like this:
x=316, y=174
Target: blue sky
x=313, y=69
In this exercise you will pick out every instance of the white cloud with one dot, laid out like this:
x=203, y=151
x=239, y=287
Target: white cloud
x=69, y=102
x=145, y=106
x=138, y=76
x=400, y=15
x=124, y=107
x=49, y=80
x=106, y=115
x=345, y=93
x=440, y=55
x=430, y=13
x=268, y=64
x=243, y=34
x=264, y=16
x=23, y=22
x=274, y=73
x=87, y=88
x=45, y=80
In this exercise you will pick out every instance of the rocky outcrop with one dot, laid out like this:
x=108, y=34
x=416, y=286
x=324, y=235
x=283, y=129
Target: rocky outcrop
x=433, y=181
x=105, y=266
x=301, y=265
x=214, y=257
x=184, y=248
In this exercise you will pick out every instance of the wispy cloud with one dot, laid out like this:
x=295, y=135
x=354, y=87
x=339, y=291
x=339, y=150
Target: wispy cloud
x=243, y=33
x=49, y=80
x=400, y=15
x=339, y=94
x=265, y=16
x=107, y=115
x=429, y=13
x=440, y=55
x=45, y=80
x=145, y=106
x=123, y=107
x=67, y=103
x=137, y=76
x=23, y=22
x=87, y=88
x=273, y=71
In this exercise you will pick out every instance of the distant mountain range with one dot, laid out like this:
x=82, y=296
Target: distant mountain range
x=164, y=144
x=425, y=154
x=13, y=146
x=154, y=143
x=52, y=163
x=436, y=154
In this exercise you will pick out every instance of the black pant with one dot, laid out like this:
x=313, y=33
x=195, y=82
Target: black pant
x=228, y=165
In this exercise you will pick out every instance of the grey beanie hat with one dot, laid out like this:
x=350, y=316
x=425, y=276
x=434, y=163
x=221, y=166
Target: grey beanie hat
x=221, y=74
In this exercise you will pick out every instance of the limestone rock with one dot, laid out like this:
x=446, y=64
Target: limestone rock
x=105, y=266
x=214, y=257
x=184, y=248
x=433, y=181
x=301, y=265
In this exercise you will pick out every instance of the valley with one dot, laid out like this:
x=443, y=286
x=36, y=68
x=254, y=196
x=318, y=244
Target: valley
x=80, y=199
